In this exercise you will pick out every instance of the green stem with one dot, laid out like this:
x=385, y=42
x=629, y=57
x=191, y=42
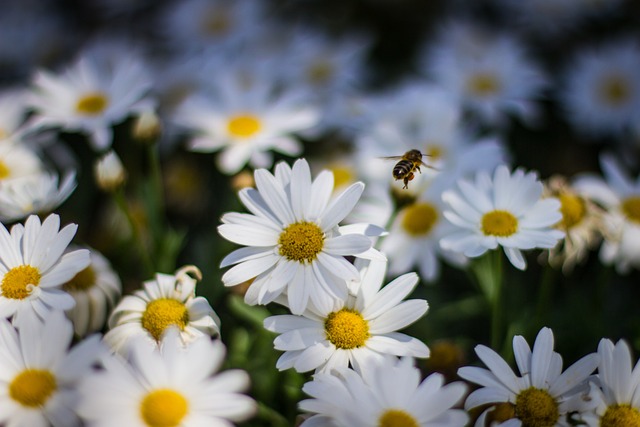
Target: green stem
x=488, y=272
x=544, y=295
x=136, y=235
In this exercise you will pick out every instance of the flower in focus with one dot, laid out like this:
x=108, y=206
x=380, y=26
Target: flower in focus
x=40, y=374
x=293, y=242
x=542, y=396
x=169, y=300
x=96, y=289
x=355, y=330
x=109, y=172
x=169, y=385
x=386, y=393
x=33, y=268
x=504, y=210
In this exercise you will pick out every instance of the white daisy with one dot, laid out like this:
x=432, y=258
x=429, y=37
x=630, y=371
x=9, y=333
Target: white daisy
x=166, y=386
x=96, y=289
x=12, y=112
x=246, y=121
x=504, y=210
x=33, y=268
x=355, y=330
x=169, y=300
x=40, y=374
x=602, y=89
x=542, y=396
x=16, y=161
x=90, y=97
x=387, y=393
x=294, y=243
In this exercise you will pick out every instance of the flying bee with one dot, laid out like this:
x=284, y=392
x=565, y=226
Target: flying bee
x=407, y=164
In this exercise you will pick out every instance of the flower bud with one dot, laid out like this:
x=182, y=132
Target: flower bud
x=109, y=172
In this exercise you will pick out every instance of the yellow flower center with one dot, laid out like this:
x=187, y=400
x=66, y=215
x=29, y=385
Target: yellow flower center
x=573, y=210
x=397, y=418
x=92, y=104
x=419, y=219
x=83, y=281
x=320, y=72
x=3, y=133
x=536, y=408
x=483, y=84
x=615, y=91
x=346, y=329
x=501, y=412
x=631, y=208
x=215, y=23
x=301, y=241
x=244, y=125
x=434, y=151
x=164, y=408
x=162, y=313
x=32, y=387
x=499, y=223
x=620, y=416
x=4, y=170
x=15, y=283
x=342, y=175
x=445, y=357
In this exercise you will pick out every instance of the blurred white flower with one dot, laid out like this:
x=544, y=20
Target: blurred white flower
x=109, y=171
x=17, y=161
x=13, y=109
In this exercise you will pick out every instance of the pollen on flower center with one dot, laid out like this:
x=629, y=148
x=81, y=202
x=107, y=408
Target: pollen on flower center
x=615, y=91
x=501, y=412
x=631, y=208
x=164, y=408
x=342, y=175
x=32, y=387
x=320, y=72
x=483, y=84
x=92, y=104
x=162, y=313
x=301, y=241
x=244, y=125
x=397, y=418
x=499, y=223
x=419, y=218
x=83, y=281
x=573, y=210
x=4, y=170
x=434, y=151
x=346, y=329
x=620, y=415
x=15, y=283
x=215, y=23
x=536, y=408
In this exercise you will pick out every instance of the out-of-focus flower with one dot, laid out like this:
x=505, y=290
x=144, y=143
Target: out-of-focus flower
x=356, y=330
x=168, y=385
x=293, y=242
x=41, y=374
x=96, y=289
x=33, y=268
x=17, y=161
x=543, y=395
x=109, y=172
x=12, y=112
x=386, y=393
x=147, y=127
x=504, y=210
x=169, y=300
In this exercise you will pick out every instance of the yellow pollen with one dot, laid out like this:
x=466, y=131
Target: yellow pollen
x=536, y=408
x=573, y=210
x=397, y=418
x=244, y=125
x=342, y=175
x=32, y=387
x=615, y=91
x=15, y=281
x=483, y=84
x=499, y=223
x=215, y=23
x=620, y=415
x=320, y=72
x=4, y=170
x=164, y=408
x=446, y=357
x=419, y=219
x=162, y=313
x=301, y=241
x=83, y=281
x=434, y=151
x=92, y=104
x=631, y=208
x=3, y=133
x=501, y=412
x=346, y=329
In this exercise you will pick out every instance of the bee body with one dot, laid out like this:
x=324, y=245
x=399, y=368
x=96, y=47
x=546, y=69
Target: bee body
x=407, y=164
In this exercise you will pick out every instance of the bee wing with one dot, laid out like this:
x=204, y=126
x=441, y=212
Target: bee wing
x=391, y=158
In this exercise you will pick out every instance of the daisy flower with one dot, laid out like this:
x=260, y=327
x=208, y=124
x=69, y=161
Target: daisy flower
x=619, y=194
x=166, y=386
x=356, y=330
x=541, y=396
x=40, y=373
x=388, y=393
x=169, y=300
x=33, y=268
x=602, y=89
x=96, y=289
x=504, y=210
x=16, y=161
x=293, y=242
x=12, y=112
x=90, y=97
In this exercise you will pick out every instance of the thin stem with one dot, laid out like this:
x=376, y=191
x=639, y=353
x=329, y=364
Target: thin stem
x=136, y=235
x=488, y=272
x=544, y=294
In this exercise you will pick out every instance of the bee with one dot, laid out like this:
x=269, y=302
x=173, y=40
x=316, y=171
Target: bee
x=407, y=164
